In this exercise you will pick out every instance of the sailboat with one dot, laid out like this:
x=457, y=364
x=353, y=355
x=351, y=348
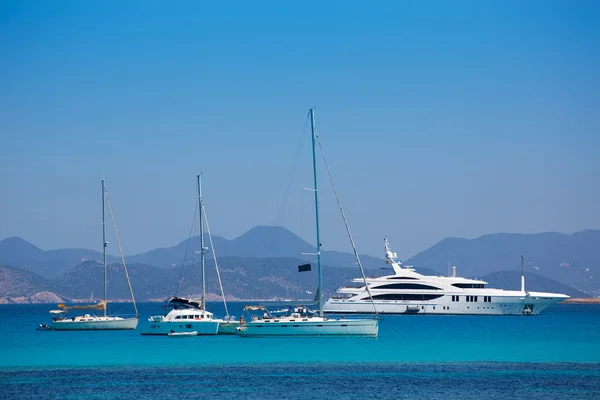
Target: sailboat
x=300, y=322
x=60, y=320
x=189, y=316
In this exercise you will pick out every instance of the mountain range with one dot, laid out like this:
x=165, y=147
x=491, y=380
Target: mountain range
x=258, y=242
x=262, y=264
x=573, y=260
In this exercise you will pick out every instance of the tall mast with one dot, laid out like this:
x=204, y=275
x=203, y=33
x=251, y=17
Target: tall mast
x=202, y=247
x=320, y=284
x=522, y=274
x=104, y=243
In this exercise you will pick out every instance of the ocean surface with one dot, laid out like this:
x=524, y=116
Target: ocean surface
x=555, y=355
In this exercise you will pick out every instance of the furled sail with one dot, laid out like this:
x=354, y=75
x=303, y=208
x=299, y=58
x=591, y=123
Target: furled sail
x=99, y=306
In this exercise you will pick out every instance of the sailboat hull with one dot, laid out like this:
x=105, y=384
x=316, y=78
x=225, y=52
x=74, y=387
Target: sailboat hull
x=320, y=327
x=228, y=327
x=94, y=324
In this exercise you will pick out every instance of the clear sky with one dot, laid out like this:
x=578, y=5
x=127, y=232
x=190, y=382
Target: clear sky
x=438, y=118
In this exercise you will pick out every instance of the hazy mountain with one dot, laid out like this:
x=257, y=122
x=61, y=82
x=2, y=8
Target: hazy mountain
x=260, y=241
x=571, y=259
x=17, y=282
x=19, y=253
x=243, y=278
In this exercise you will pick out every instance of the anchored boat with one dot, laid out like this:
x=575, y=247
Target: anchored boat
x=300, y=322
x=62, y=322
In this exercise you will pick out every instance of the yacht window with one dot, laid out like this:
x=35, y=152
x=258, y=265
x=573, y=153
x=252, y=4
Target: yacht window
x=178, y=317
x=406, y=296
x=468, y=285
x=403, y=277
x=415, y=286
x=475, y=298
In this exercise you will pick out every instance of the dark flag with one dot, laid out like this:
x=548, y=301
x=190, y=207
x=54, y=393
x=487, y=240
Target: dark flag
x=304, y=268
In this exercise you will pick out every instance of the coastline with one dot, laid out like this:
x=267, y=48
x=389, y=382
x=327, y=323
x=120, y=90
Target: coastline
x=581, y=300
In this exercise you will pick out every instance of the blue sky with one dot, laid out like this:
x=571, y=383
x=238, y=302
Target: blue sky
x=438, y=118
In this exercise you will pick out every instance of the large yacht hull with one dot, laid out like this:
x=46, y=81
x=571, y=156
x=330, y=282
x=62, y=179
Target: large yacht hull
x=206, y=327
x=95, y=324
x=531, y=304
x=326, y=327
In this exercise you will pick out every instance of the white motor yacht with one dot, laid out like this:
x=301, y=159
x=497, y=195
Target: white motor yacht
x=408, y=292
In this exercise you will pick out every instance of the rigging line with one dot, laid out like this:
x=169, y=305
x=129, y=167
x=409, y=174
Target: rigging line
x=290, y=180
x=112, y=217
x=187, y=247
x=392, y=328
x=362, y=271
x=212, y=247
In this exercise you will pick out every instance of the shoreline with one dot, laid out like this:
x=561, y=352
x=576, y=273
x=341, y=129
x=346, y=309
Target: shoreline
x=581, y=300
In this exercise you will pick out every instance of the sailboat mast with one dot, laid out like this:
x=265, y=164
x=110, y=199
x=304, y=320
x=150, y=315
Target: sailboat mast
x=320, y=282
x=104, y=243
x=202, y=252
x=522, y=274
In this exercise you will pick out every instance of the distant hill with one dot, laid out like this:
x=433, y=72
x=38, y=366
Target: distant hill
x=16, y=282
x=573, y=260
x=260, y=242
x=243, y=278
x=19, y=253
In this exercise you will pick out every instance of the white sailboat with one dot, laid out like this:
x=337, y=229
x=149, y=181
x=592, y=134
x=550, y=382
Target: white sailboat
x=189, y=317
x=300, y=322
x=61, y=321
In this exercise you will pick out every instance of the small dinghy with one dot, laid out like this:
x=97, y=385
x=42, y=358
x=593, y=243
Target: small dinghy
x=43, y=327
x=182, y=334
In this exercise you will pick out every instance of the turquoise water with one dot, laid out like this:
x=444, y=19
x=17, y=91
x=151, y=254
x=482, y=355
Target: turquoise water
x=563, y=333
x=553, y=355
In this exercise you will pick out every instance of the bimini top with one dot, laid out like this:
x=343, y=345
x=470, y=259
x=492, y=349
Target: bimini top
x=183, y=302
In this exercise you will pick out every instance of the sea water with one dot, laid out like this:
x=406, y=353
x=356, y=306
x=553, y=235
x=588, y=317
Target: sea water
x=553, y=355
